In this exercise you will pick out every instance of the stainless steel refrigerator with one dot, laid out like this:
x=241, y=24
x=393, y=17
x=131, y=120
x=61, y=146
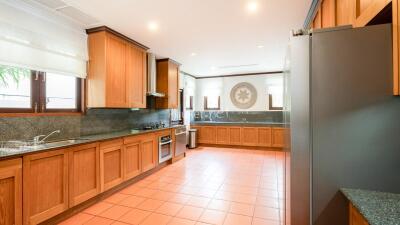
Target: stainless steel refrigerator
x=344, y=121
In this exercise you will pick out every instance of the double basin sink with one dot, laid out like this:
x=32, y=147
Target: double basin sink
x=22, y=146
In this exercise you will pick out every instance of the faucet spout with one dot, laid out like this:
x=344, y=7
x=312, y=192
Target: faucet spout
x=36, y=140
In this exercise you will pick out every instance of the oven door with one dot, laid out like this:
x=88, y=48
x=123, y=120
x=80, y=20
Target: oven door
x=164, y=151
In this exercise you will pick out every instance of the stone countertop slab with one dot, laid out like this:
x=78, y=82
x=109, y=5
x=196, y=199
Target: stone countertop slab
x=13, y=153
x=242, y=124
x=378, y=208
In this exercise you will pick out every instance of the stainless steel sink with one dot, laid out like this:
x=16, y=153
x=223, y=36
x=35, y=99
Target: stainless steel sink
x=57, y=143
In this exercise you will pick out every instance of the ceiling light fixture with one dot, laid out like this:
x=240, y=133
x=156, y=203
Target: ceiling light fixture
x=252, y=6
x=193, y=54
x=152, y=26
x=260, y=46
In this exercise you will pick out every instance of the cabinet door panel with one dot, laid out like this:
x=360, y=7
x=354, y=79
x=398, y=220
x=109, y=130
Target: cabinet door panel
x=84, y=173
x=173, y=86
x=249, y=136
x=278, y=137
x=132, y=165
x=265, y=137
x=111, y=167
x=208, y=135
x=11, y=192
x=148, y=153
x=328, y=13
x=136, y=76
x=345, y=12
x=222, y=135
x=235, y=137
x=45, y=185
x=116, y=79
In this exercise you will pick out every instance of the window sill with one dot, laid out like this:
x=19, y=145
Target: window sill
x=41, y=114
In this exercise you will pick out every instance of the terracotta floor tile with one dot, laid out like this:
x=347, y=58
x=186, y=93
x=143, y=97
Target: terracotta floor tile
x=198, y=201
x=180, y=198
x=132, y=201
x=268, y=202
x=116, y=198
x=266, y=213
x=212, y=217
x=170, y=209
x=115, y=212
x=145, y=193
x=242, y=209
x=162, y=195
x=156, y=219
x=219, y=205
x=99, y=221
x=150, y=204
x=119, y=223
x=201, y=223
x=98, y=208
x=131, y=190
x=234, y=219
x=258, y=221
x=134, y=217
x=78, y=219
x=180, y=221
x=190, y=212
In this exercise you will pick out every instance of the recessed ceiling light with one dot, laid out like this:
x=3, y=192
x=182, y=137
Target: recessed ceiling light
x=252, y=6
x=260, y=46
x=193, y=54
x=152, y=26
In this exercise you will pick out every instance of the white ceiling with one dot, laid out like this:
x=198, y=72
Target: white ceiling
x=222, y=33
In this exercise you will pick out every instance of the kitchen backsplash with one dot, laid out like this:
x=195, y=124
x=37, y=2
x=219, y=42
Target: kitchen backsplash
x=238, y=116
x=95, y=121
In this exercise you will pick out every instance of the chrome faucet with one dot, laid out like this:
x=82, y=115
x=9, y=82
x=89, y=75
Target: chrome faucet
x=37, y=141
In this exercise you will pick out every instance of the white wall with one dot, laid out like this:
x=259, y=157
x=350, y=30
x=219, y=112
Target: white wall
x=188, y=83
x=223, y=86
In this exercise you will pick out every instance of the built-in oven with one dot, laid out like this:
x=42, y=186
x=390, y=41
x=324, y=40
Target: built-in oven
x=165, y=148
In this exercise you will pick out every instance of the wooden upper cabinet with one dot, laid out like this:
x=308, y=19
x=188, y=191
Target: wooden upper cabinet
x=11, y=192
x=84, y=173
x=345, y=12
x=111, y=164
x=317, y=23
x=328, y=10
x=168, y=83
x=116, y=72
x=45, y=185
x=366, y=10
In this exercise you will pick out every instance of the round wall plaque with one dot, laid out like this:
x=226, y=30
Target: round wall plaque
x=243, y=95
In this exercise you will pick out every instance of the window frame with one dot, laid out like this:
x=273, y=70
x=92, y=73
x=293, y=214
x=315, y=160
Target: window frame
x=190, y=103
x=206, y=104
x=271, y=107
x=38, y=98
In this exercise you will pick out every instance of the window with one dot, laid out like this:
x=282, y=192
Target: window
x=275, y=97
x=23, y=90
x=189, y=102
x=212, y=103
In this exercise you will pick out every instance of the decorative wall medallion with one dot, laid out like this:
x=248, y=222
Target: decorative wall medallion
x=243, y=95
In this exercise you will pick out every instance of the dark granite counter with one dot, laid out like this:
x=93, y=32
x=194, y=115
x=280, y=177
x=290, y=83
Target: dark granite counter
x=240, y=124
x=378, y=208
x=13, y=153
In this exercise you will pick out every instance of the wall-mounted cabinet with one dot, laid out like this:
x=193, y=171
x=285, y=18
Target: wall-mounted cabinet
x=168, y=83
x=116, y=72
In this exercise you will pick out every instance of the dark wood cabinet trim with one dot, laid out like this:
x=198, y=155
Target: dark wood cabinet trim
x=116, y=33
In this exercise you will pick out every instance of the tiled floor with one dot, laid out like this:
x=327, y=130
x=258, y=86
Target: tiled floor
x=211, y=186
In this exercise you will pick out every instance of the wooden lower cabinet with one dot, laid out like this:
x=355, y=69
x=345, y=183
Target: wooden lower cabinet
x=149, y=152
x=206, y=134
x=265, y=136
x=355, y=217
x=235, y=135
x=11, y=192
x=249, y=136
x=222, y=135
x=278, y=137
x=84, y=173
x=111, y=164
x=45, y=185
x=132, y=157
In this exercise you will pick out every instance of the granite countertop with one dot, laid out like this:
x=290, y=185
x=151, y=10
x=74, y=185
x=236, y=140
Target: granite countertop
x=13, y=153
x=378, y=208
x=247, y=123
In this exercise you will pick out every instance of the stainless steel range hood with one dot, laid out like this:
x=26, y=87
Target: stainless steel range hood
x=152, y=77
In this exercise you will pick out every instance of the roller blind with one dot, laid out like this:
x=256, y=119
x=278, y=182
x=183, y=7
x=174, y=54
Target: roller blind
x=36, y=39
